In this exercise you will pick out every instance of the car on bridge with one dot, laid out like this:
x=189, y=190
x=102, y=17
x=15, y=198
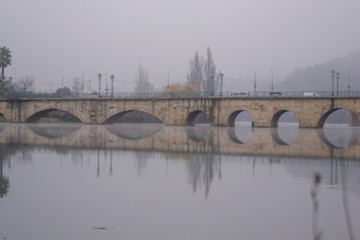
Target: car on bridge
x=311, y=94
x=240, y=94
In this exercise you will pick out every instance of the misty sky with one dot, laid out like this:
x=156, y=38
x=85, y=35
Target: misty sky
x=50, y=39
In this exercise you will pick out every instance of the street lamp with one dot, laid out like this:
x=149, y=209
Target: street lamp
x=99, y=76
x=272, y=80
x=82, y=82
x=255, y=81
x=221, y=84
x=212, y=75
x=112, y=85
x=168, y=83
x=333, y=77
x=337, y=83
x=106, y=86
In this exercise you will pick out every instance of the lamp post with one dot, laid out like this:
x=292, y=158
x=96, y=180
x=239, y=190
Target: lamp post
x=188, y=87
x=212, y=75
x=221, y=83
x=255, y=81
x=333, y=77
x=106, y=86
x=168, y=82
x=272, y=80
x=82, y=82
x=349, y=82
x=112, y=85
x=337, y=83
x=99, y=76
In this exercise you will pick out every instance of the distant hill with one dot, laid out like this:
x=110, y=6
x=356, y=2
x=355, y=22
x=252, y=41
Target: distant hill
x=318, y=77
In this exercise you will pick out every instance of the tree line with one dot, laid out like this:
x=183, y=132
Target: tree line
x=202, y=75
x=203, y=78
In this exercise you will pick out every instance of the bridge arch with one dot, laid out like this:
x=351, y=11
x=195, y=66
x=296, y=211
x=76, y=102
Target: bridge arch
x=234, y=115
x=2, y=117
x=192, y=117
x=35, y=117
x=276, y=118
x=115, y=116
x=351, y=117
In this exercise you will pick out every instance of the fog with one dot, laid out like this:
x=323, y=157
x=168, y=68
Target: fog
x=53, y=39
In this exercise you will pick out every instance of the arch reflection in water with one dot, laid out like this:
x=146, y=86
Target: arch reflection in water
x=285, y=134
x=54, y=130
x=240, y=133
x=198, y=133
x=342, y=137
x=285, y=127
x=197, y=118
x=133, y=116
x=134, y=131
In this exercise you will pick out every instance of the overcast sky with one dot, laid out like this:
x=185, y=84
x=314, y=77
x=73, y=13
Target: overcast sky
x=54, y=38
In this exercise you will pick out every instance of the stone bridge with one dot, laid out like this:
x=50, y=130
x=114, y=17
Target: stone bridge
x=221, y=111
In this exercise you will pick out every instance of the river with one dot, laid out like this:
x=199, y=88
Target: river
x=73, y=181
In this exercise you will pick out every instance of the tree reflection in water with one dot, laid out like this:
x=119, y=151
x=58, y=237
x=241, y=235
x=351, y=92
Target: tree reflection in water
x=202, y=170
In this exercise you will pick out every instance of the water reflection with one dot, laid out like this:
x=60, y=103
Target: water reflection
x=282, y=141
x=134, y=131
x=285, y=133
x=198, y=133
x=52, y=130
x=241, y=133
x=4, y=181
x=339, y=136
x=93, y=179
x=202, y=170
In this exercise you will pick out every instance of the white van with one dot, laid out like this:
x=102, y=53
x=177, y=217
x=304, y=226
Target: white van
x=311, y=94
x=240, y=94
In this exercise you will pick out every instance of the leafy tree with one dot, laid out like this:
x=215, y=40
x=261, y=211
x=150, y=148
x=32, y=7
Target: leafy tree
x=180, y=90
x=4, y=87
x=5, y=60
x=62, y=92
x=142, y=84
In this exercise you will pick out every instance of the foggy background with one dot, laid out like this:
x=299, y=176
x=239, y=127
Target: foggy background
x=80, y=38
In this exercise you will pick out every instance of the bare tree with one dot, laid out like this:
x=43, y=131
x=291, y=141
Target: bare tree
x=25, y=84
x=77, y=86
x=196, y=71
x=211, y=80
x=202, y=73
x=142, y=84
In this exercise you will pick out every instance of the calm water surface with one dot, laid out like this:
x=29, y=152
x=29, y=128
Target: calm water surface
x=63, y=181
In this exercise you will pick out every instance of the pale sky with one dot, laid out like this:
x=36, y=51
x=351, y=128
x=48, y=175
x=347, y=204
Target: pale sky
x=80, y=38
